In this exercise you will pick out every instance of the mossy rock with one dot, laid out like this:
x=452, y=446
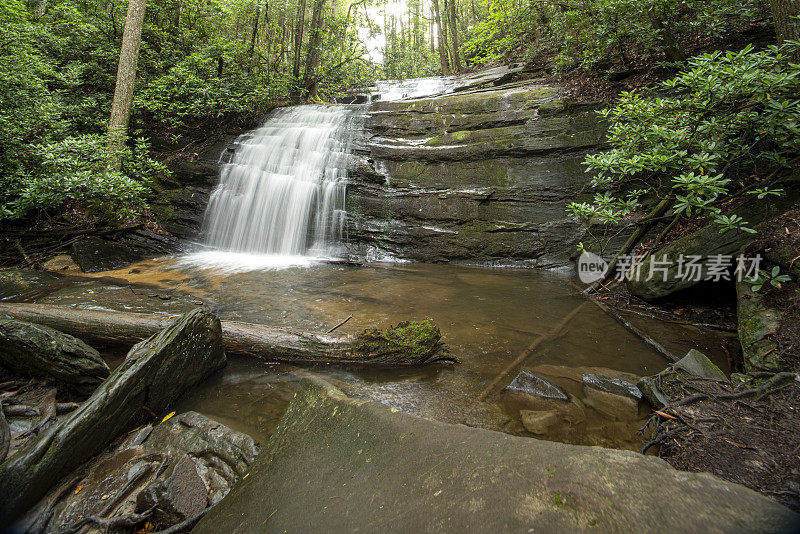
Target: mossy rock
x=758, y=323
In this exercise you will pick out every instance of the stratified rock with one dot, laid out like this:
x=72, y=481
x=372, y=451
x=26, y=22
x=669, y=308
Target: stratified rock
x=611, y=396
x=30, y=349
x=758, y=324
x=95, y=254
x=155, y=372
x=28, y=284
x=535, y=386
x=696, y=363
x=341, y=464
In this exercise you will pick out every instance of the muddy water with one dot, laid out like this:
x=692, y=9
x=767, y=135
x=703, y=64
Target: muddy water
x=487, y=317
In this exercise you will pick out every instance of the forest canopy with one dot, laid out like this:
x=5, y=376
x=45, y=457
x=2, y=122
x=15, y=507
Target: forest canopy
x=202, y=60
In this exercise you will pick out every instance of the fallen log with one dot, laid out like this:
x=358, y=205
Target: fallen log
x=409, y=343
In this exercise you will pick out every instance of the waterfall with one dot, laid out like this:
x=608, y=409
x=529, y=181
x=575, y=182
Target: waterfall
x=282, y=190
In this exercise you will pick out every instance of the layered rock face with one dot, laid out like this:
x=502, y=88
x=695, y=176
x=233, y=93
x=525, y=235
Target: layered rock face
x=473, y=177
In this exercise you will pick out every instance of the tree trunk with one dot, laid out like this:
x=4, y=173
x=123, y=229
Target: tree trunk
x=298, y=37
x=126, y=76
x=787, y=25
x=310, y=78
x=254, y=35
x=451, y=4
x=442, y=39
x=254, y=340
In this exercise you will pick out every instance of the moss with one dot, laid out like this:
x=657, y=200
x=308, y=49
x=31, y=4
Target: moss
x=409, y=341
x=558, y=501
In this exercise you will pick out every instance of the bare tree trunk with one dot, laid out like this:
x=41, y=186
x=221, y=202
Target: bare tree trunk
x=254, y=35
x=787, y=25
x=298, y=37
x=453, y=34
x=126, y=76
x=310, y=78
x=442, y=39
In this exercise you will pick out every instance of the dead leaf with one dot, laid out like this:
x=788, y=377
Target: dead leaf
x=78, y=489
x=666, y=415
x=168, y=416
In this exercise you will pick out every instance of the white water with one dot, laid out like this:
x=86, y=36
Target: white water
x=391, y=90
x=280, y=199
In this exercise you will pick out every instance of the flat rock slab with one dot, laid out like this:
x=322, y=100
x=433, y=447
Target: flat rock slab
x=340, y=464
x=529, y=383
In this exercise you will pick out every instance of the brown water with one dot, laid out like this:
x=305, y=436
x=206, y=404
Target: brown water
x=488, y=317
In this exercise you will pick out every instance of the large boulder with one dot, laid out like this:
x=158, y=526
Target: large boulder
x=180, y=466
x=154, y=374
x=341, y=464
x=707, y=243
x=43, y=352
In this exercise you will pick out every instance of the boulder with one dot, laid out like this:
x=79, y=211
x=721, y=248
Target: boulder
x=154, y=374
x=706, y=243
x=342, y=464
x=30, y=349
x=697, y=364
x=536, y=387
x=181, y=466
x=611, y=396
x=758, y=324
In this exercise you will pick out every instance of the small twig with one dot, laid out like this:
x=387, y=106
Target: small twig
x=340, y=324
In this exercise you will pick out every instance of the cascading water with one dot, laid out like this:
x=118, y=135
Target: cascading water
x=280, y=199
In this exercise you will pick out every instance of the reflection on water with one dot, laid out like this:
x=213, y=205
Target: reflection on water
x=487, y=317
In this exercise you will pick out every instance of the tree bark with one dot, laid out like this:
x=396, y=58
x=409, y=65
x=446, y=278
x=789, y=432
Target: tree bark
x=442, y=39
x=247, y=339
x=126, y=76
x=451, y=5
x=298, y=37
x=787, y=25
x=310, y=78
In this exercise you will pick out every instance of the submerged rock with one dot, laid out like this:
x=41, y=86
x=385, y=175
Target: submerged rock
x=538, y=422
x=337, y=463
x=30, y=349
x=758, y=324
x=155, y=372
x=611, y=396
x=535, y=386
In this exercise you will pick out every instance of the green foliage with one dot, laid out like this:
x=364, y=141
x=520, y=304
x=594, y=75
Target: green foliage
x=733, y=110
x=774, y=277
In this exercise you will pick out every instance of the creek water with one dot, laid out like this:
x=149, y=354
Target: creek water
x=278, y=208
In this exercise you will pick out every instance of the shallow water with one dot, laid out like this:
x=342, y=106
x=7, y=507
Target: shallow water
x=488, y=317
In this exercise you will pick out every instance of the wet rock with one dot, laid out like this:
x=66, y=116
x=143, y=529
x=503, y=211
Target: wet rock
x=695, y=363
x=364, y=464
x=538, y=422
x=177, y=465
x=611, y=396
x=28, y=284
x=155, y=372
x=706, y=243
x=61, y=262
x=30, y=349
x=96, y=254
x=758, y=323
x=473, y=177
x=177, y=496
x=650, y=390
x=533, y=385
